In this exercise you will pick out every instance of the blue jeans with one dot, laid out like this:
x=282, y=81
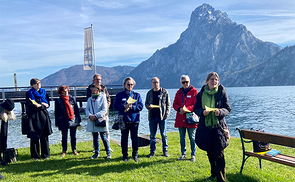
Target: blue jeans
x=64, y=140
x=153, y=123
x=133, y=128
x=191, y=134
x=104, y=140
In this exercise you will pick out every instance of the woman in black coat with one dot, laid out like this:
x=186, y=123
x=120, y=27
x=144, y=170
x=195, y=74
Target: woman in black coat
x=67, y=116
x=210, y=135
x=37, y=101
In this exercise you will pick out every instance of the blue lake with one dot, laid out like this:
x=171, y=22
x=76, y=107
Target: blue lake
x=270, y=108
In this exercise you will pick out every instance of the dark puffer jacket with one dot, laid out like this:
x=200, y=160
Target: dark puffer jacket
x=203, y=133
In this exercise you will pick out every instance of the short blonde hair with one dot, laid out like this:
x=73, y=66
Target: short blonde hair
x=127, y=79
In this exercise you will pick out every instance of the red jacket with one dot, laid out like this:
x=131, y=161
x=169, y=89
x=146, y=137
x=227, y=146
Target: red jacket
x=189, y=100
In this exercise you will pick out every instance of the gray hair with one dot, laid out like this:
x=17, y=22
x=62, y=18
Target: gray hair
x=183, y=77
x=94, y=76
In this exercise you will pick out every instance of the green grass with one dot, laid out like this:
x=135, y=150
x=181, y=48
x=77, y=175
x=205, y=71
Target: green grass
x=158, y=168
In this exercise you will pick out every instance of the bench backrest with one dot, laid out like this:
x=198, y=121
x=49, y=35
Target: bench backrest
x=269, y=138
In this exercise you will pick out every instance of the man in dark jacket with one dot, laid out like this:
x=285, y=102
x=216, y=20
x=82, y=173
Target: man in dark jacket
x=158, y=103
x=6, y=113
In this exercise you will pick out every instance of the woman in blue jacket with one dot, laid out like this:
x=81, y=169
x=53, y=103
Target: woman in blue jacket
x=130, y=111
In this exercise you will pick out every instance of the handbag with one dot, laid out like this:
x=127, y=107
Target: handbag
x=118, y=123
x=260, y=146
x=74, y=122
x=9, y=155
x=101, y=122
x=192, y=118
x=226, y=132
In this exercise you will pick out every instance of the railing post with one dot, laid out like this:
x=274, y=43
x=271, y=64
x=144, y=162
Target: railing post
x=75, y=93
x=51, y=93
x=3, y=95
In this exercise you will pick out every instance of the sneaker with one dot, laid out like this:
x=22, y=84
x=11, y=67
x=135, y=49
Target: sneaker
x=125, y=159
x=63, y=154
x=75, y=152
x=96, y=155
x=193, y=159
x=182, y=157
x=210, y=178
x=109, y=156
x=135, y=158
x=3, y=163
x=151, y=155
x=165, y=153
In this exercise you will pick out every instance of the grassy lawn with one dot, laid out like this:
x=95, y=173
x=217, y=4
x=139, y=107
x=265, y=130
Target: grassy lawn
x=158, y=168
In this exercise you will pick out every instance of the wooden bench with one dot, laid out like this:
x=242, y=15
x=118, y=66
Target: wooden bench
x=282, y=140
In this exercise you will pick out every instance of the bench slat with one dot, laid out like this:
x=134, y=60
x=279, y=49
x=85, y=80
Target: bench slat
x=269, y=138
x=282, y=159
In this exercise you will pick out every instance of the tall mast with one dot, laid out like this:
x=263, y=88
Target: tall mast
x=93, y=48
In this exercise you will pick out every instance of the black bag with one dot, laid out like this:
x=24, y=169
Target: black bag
x=74, y=122
x=101, y=121
x=9, y=155
x=118, y=123
x=260, y=146
x=25, y=124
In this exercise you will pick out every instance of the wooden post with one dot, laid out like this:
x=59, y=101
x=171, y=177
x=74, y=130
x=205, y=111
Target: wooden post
x=15, y=82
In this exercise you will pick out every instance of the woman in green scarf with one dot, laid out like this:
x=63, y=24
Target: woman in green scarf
x=212, y=106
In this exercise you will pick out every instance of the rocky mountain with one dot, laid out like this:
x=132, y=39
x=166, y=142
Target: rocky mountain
x=75, y=75
x=278, y=70
x=212, y=42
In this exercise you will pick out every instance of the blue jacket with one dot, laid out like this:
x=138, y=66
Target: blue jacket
x=133, y=114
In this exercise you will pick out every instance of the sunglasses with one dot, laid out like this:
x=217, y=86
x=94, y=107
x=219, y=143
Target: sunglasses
x=129, y=84
x=184, y=82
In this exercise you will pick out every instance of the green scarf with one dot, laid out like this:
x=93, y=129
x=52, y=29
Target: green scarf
x=94, y=96
x=208, y=100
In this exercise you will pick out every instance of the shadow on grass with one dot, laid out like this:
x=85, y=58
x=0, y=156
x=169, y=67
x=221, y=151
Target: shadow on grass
x=78, y=165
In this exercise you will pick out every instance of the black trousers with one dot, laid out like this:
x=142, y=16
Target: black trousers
x=35, y=148
x=133, y=128
x=216, y=159
x=3, y=137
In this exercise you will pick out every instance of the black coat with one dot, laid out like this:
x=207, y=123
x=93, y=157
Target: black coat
x=204, y=135
x=38, y=119
x=61, y=118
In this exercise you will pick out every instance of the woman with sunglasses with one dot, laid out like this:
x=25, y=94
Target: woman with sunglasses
x=184, y=101
x=210, y=135
x=128, y=103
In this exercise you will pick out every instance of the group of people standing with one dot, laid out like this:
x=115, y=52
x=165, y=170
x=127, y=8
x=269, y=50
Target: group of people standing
x=207, y=134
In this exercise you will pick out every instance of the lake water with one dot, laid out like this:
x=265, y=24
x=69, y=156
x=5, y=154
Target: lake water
x=270, y=108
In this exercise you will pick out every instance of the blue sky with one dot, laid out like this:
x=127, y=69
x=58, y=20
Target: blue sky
x=40, y=37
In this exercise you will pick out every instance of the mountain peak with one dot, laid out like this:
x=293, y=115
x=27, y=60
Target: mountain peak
x=206, y=12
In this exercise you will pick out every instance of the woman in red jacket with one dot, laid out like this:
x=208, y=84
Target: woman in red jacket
x=185, y=96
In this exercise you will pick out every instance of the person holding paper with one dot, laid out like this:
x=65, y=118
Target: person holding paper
x=184, y=101
x=158, y=104
x=212, y=106
x=128, y=103
x=37, y=102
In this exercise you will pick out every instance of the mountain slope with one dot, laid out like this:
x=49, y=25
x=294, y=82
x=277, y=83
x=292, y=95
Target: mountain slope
x=212, y=42
x=75, y=75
